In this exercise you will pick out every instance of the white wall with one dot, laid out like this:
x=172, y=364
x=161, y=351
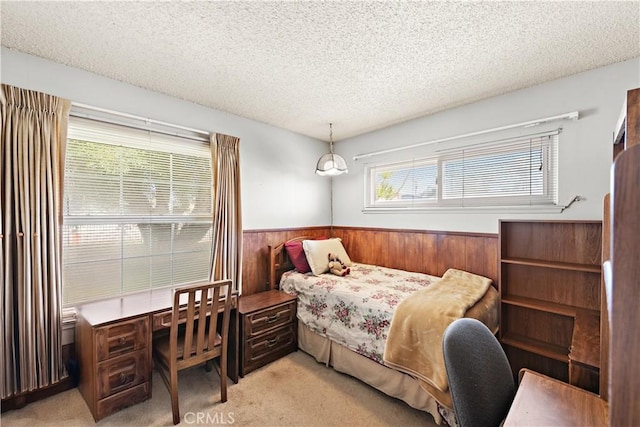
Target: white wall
x=280, y=189
x=585, y=148
x=279, y=186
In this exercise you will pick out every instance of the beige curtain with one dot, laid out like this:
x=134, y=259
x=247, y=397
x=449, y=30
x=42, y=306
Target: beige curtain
x=32, y=147
x=227, y=214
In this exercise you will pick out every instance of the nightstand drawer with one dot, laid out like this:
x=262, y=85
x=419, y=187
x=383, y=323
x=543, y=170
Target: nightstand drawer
x=269, y=347
x=269, y=328
x=121, y=338
x=122, y=373
x=264, y=320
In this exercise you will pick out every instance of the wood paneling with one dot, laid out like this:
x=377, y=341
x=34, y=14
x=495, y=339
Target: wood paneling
x=605, y=315
x=397, y=251
x=424, y=251
x=451, y=253
x=255, y=265
x=624, y=342
x=632, y=136
x=429, y=260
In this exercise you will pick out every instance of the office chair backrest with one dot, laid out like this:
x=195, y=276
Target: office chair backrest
x=479, y=375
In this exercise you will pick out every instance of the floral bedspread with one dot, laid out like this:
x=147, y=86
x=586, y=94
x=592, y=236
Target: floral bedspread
x=355, y=310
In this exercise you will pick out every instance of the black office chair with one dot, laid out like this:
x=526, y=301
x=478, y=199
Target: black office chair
x=480, y=378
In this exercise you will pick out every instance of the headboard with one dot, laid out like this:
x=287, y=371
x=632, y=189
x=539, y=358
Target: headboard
x=279, y=261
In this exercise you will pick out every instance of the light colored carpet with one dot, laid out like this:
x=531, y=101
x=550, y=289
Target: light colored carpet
x=293, y=391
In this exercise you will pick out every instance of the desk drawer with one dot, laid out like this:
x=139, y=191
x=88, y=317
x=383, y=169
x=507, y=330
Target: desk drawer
x=122, y=373
x=122, y=400
x=121, y=338
x=163, y=320
x=270, y=318
x=269, y=347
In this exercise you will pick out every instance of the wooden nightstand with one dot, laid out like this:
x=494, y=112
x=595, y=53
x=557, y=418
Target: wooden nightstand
x=268, y=328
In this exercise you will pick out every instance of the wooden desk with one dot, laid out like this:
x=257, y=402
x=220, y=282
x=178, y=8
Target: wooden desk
x=114, y=340
x=545, y=401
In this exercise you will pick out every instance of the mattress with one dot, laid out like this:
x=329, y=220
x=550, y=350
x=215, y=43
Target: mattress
x=355, y=311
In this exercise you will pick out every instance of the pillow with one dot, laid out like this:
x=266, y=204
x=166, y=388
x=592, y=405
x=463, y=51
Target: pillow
x=297, y=255
x=317, y=252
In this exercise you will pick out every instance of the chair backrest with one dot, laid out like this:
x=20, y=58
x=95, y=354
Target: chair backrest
x=479, y=375
x=193, y=303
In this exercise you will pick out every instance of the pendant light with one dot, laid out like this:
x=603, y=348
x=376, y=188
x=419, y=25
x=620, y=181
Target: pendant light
x=331, y=164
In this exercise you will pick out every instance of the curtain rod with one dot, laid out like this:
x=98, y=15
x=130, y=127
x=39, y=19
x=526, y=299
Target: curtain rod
x=132, y=116
x=506, y=140
x=574, y=115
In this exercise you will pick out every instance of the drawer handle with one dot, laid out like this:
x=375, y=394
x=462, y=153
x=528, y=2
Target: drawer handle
x=273, y=318
x=123, y=378
x=271, y=343
x=122, y=341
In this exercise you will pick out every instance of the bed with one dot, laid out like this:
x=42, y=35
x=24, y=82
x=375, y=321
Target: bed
x=345, y=322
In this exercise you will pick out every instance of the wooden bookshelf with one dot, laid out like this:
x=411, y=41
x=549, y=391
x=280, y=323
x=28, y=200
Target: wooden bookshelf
x=538, y=347
x=542, y=305
x=553, y=264
x=550, y=280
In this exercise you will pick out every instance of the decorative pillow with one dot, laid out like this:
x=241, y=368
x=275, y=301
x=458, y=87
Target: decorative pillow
x=297, y=255
x=317, y=252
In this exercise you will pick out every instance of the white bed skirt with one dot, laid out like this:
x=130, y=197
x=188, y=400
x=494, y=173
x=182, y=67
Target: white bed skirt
x=388, y=381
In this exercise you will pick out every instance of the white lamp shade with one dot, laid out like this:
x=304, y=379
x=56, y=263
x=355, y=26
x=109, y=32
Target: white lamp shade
x=331, y=164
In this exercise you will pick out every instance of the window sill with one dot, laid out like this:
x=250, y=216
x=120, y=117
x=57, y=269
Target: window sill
x=68, y=328
x=556, y=209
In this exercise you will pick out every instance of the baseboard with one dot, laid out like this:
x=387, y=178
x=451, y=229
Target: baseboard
x=21, y=400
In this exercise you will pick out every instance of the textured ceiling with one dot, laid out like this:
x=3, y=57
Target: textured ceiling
x=301, y=65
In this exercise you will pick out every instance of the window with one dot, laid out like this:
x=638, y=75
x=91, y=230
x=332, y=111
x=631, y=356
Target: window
x=137, y=211
x=513, y=172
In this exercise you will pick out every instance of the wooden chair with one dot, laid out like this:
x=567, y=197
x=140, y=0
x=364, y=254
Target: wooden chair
x=198, y=341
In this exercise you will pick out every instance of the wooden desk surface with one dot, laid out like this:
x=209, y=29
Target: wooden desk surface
x=129, y=306
x=545, y=401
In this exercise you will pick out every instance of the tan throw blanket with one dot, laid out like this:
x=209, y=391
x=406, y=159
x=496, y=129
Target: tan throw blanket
x=414, y=343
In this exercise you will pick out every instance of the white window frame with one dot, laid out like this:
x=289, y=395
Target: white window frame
x=548, y=198
x=371, y=171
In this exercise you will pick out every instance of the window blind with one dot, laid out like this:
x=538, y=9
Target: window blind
x=517, y=172
x=520, y=171
x=137, y=211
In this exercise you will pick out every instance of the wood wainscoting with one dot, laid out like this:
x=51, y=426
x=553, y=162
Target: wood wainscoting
x=255, y=257
x=424, y=251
